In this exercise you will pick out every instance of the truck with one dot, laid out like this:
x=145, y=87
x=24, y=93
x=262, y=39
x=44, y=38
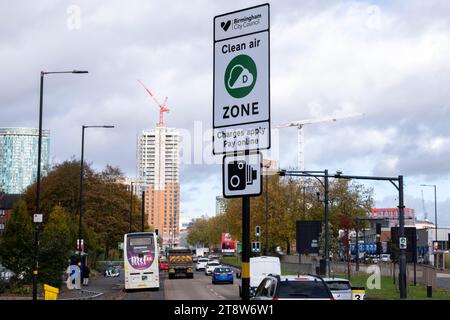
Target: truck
x=260, y=267
x=180, y=262
x=201, y=252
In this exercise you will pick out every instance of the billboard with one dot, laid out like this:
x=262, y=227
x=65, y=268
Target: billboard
x=308, y=236
x=227, y=244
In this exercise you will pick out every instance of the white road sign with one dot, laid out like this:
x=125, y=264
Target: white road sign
x=37, y=218
x=242, y=175
x=403, y=242
x=241, y=80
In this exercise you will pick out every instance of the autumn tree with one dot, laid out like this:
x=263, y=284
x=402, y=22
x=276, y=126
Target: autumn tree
x=17, y=244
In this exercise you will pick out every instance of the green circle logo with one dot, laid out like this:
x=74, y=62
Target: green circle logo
x=240, y=76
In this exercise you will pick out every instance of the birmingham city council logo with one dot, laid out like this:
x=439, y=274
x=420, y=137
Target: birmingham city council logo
x=240, y=76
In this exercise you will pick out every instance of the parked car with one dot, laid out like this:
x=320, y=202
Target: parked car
x=212, y=257
x=385, y=257
x=201, y=264
x=304, y=287
x=340, y=288
x=222, y=274
x=210, y=266
x=163, y=264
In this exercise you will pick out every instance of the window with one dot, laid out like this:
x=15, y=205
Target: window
x=2, y=212
x=306, y=289
x=263, y=288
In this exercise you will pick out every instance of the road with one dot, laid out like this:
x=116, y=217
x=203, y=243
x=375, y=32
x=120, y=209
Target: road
x=198, y=288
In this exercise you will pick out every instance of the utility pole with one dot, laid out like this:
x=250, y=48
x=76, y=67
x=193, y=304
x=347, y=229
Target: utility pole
x=245, y=248
x=143, y=211
x=327, y=226
x=401, y=206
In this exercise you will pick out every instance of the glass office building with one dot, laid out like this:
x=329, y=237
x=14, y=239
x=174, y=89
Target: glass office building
x=18, y=158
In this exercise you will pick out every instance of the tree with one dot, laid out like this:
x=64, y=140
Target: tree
x=106, y=204
x=289, y=200
x=56, y=246
x=17, y=244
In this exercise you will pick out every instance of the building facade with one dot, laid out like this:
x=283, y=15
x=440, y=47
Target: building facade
x=18, y=158
x=7, y=202
x=159, y=171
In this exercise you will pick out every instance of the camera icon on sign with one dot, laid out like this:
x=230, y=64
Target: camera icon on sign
x=241, y=174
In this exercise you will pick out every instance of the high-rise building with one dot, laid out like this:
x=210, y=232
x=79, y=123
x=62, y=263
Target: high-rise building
x=18, y=158
x=159, y=170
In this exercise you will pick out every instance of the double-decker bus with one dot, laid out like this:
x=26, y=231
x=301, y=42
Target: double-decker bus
x=141, y=260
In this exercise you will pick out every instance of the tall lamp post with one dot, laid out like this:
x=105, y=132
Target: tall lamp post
x=131, y=205
x=38, y=180
x=80, y=246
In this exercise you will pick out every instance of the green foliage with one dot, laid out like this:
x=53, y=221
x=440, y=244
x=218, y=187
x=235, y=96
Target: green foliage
x=17, y=244
x=57, y=243
x=289, y=200
x=106, y=204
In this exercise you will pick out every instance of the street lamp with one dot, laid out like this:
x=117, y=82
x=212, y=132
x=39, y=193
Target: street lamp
x=38, y=179
x=131, y=205
x=81, y=186
x=435, y=208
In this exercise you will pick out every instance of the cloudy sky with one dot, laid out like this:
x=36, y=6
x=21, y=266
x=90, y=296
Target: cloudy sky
x=387, y=59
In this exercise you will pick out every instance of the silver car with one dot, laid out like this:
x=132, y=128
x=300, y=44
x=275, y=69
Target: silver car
x=340, y=288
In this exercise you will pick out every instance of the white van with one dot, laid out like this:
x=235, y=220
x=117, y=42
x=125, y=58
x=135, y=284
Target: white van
x=260, y=267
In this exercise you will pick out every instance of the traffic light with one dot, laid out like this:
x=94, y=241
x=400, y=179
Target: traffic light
x=257, y=230
x=157, y=232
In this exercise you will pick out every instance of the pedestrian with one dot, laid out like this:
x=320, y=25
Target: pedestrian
x=87, y=271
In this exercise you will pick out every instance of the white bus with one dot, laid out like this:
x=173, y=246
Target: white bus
x=140, y=252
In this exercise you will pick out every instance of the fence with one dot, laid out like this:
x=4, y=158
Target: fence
x=309, y=263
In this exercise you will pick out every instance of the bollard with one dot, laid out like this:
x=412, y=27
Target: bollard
x=429, y=291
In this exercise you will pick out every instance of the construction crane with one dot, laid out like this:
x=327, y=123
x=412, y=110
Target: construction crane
x=162, y=107
x=300, y=134
x=425, y=214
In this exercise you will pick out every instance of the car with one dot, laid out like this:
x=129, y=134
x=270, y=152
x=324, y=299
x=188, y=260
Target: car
x=385, y=257
x=163, y=264
x=301, y=287
x=340, y=288
x=210, y=266
x=222, y=274
x=201, y=263
x=213, y=257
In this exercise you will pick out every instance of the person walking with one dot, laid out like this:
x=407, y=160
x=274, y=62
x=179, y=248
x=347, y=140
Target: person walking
x=87, y=271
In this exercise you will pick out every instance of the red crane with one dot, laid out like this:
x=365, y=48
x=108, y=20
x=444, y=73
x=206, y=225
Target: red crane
x=162, y=107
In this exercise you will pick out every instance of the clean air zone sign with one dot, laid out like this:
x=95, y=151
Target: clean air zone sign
x=241, y=111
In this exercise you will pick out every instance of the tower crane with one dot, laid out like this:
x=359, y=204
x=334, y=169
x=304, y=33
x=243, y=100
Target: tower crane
x=162, y=107
x=300, y=135
x=425, y=214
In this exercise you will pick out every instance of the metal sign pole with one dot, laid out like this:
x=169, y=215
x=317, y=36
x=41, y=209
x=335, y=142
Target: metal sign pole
x=245, y=248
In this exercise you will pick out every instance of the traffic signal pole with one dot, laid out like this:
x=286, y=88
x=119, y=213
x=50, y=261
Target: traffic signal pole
x=245, y=248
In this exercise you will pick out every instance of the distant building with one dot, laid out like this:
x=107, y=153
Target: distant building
x=424, y=224
x=185, y=223
x=391, y=216
x=7, y=202
x=19, y=158
x=126, y=181
x=158, y=167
